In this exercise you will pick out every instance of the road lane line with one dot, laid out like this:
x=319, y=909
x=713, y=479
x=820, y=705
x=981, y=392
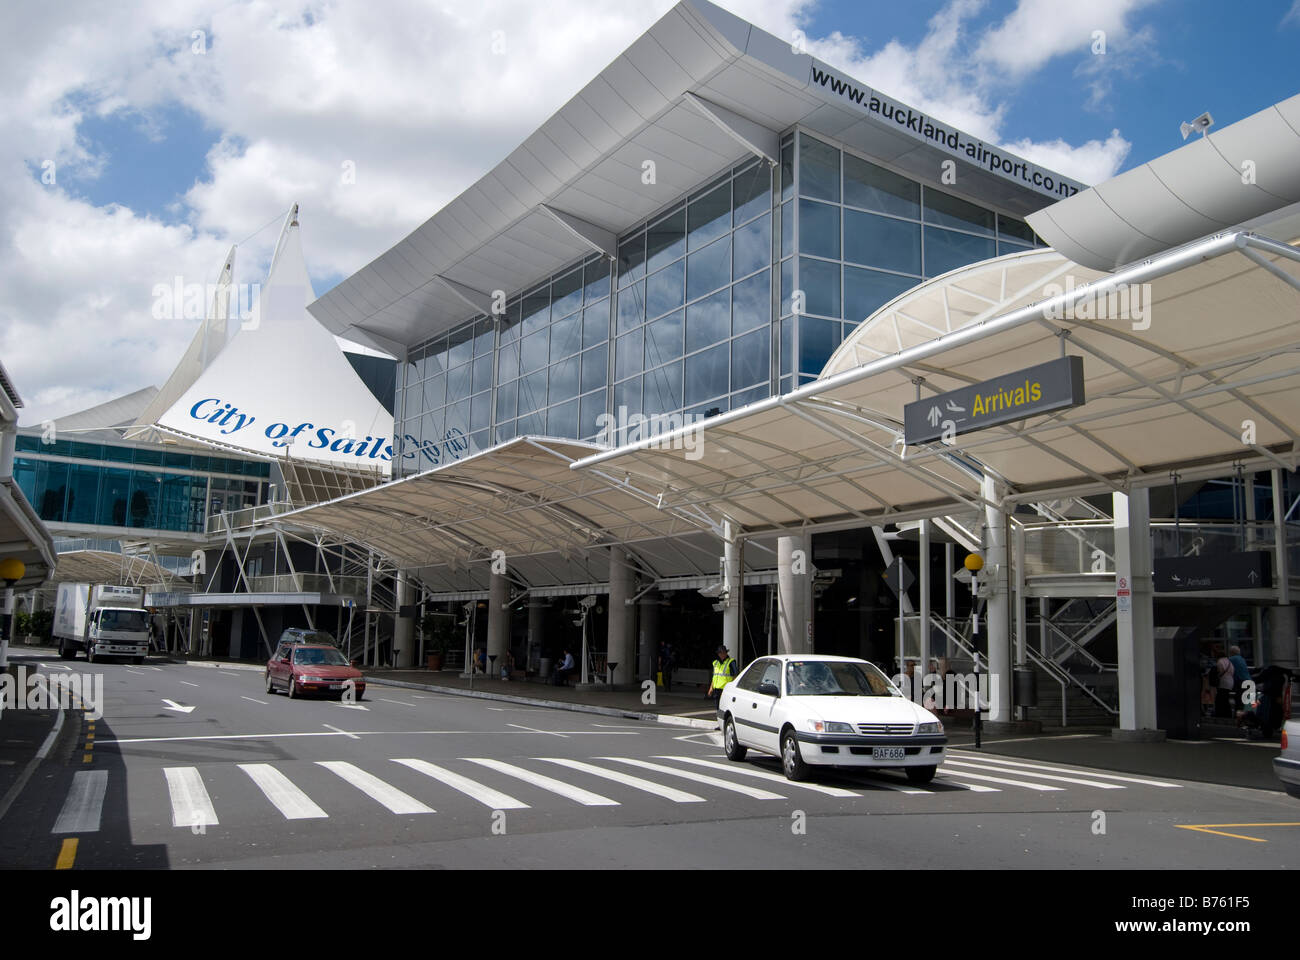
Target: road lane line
x=972, y=787
x=252, y=700
x=1041, y=776
x=753, y=792
x=386, y=700
x=668, y=793
x=67, y=854
x=84, y=806
x=764, y=775
x=188, y=684
x=1041, y=787
x=999, y=762
x=376, y=789
x=281, y=791
x=191, y=805
x=350, y=736
x=577, y=794
x=471, y=788
x=552, y=733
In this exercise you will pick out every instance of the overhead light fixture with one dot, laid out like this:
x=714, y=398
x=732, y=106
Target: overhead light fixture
x=1200, y=125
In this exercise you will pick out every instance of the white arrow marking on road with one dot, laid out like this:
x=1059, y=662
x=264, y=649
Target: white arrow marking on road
x=173, y=705
x=353, y=706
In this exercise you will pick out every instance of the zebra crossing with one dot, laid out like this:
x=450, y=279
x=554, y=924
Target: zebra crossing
x=485, y=781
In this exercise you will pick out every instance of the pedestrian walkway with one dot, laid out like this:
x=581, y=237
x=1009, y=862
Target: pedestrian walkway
x=182, y=796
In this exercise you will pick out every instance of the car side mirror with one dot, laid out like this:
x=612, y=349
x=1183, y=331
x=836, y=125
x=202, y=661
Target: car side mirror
x=769, y=689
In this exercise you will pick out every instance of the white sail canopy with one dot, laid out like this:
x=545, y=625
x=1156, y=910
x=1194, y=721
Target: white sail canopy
x=282, y=387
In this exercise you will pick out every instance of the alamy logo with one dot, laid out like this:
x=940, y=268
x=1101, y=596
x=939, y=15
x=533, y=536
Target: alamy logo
x=65, y=691
x=668, y=430
x=1125, y=301
x=75, y=913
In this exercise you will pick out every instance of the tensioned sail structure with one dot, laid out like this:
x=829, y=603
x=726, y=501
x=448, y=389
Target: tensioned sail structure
x=282, y=388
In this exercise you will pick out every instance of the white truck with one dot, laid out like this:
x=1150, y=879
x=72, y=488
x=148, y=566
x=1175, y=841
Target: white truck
x=104, y=620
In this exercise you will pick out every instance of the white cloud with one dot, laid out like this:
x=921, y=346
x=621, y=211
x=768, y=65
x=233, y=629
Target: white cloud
x=414, y=98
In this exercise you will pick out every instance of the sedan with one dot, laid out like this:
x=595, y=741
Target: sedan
x=301, y=668
x=1287, y=763
x=828, y=711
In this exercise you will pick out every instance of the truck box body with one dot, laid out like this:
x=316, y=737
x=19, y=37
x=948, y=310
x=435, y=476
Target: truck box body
x=102, y=620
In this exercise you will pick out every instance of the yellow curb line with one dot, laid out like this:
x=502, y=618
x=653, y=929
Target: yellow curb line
x=67, y=854
x=1205, y=828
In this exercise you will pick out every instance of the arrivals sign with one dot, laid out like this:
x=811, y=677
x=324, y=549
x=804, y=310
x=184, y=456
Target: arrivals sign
x=1057, y=385
x=1229, y=571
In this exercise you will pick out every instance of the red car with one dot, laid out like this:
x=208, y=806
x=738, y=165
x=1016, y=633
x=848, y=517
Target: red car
x=301, y=668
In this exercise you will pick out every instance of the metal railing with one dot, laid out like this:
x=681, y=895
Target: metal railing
x=308, y=583
x=231, y=520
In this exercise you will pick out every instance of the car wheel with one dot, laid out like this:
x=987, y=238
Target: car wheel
x=289, y=689
x=791, y=760
x=138, y=661
x=90, y=653
x=920, y=774
x=729, y=742
x=270, y=687
x=361, y=695
x=67, y=654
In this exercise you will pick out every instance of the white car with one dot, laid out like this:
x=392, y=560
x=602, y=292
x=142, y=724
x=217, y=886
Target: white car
x=812, y=710
x=1287, y=763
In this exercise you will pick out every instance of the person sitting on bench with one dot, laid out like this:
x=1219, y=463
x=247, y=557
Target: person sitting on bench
x=564, y=670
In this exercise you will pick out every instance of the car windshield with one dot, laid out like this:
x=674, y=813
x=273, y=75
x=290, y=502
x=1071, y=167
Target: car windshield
x=123, y=620
x=308, y=636
x=330, y=658
x=822, y=678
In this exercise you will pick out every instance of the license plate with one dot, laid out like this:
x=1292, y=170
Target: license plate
x=336, y=686
x=887, y=753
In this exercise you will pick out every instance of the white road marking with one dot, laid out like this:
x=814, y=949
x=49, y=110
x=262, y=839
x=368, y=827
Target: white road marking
x=699, y=778
x=173, y=705
x=280, y=790
x=360, y=733
x=61, y=666
x=350, y=736
x=551, y=733
x=352, y=706
x=972, y=787
x=577, y=794
x=401, y=702
x=188, y=684
x=668, y=793
x=764, y=775
x=1090, y=773
x=159, y=669
x=253, y=700
x=85, y=803
x=129, y=670
x=471, y=788
x=992, y=768
x=191, y=805
x=1009, y=783
x=384, y=793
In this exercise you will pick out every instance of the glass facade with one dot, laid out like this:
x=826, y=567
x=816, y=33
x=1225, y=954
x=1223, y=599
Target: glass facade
x=683, y=321
x=105, y=484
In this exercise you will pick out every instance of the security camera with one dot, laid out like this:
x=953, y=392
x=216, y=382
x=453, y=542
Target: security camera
x=587, y=602
x=712, y=590
x=1200, y=125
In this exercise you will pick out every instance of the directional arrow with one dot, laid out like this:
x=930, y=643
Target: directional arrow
x=173, y=705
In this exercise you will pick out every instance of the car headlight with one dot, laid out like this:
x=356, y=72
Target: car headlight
x=310, y=680
x=830, y=726
x=935, y=727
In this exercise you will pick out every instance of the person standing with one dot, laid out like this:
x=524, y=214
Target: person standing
x=1224, y=686
x=1240, y=673
x=667, y=655
x=724, y=671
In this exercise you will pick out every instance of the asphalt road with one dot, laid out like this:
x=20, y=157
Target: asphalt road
x=419, y=780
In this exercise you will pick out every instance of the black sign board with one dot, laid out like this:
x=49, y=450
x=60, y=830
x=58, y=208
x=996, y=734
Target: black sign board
x=1229, y=571
x=1014, y=396
x=899, y=572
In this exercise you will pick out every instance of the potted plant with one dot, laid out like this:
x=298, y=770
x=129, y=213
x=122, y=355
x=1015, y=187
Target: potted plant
x=437, y=629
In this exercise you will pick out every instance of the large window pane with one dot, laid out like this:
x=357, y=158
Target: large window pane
x=1017, y=230
x=566, y=337
x=532, y=392
x=627, y=355
x=787, y=171
x=753, y=244
x=433, y=393
x=534, y=351
x=753, y=192
x=787, y=228
x=708, y=269
x=1006, y=246
x=751, y=302
x=562, y=421
x=533, y=425
x=143, y=509
x=480, y=411
x=596, y=278
x=665, y=289
x=882, y=242
x=709, y=216
x=663, y=389
x=566, y=294
x=564, y=380
x=508, y=361
x=484, y=337
x=589, y=423
x=631, y=260
x=787, y=287
x=817, y=341
x=706, y=374
x=462, y=345
x=866, y=291
x=595, y=368
x=536, y=310
x=787, y=345
x=663, y=340
x=482, y=373
x=631, y=307
x=875, y=188
x=819, y=229
x=459, y=382
x=949, y=211
x=595, y=324
x=457, y=417
x=506, y=431
x=946, y=250
x=627, y=398
x=51, y=490
x=708, y=321
x=666, y=240
x=114, y=488
x=507, y=394
x=83, y=494
x=751, y=359
x=820, y=282
x=510, y=322
x=819, y=169
x=752, y=395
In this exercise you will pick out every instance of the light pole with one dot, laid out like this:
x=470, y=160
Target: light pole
x=975, y=563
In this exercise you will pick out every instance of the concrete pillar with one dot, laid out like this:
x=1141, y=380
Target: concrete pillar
x=1135, y=619
x=792, y=607
x=498, y=631
x=536, y=629
x=949, y=594
x=924, y=635
x=404, y=627
x=618, y=649
x=1283, y=648
x=994, y=575
x=648, y=634
x=733, y=588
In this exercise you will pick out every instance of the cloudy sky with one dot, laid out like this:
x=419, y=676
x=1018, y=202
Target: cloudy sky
x=139, y=141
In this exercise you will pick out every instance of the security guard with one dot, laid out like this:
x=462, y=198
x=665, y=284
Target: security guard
x=724, y=671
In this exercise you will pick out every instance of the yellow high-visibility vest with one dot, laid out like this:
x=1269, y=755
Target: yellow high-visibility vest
x=720, y=677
